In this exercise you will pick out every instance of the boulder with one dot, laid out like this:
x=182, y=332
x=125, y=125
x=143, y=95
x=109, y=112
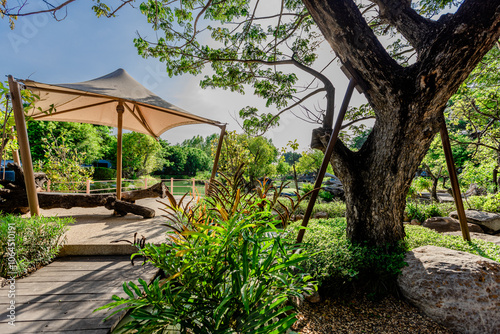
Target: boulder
x=415, y=222
x=475, y=190
x=457, y=289
x=490, y=222
x=336, y=191
x=447, y=224
x=321, y=214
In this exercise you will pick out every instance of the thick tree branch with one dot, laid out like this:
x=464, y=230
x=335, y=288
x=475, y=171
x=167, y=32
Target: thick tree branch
x=461, y=43
x=330, y=93
x=354, y=42
x=417, y=30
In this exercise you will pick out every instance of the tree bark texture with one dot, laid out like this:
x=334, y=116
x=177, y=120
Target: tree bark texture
x=408, y=101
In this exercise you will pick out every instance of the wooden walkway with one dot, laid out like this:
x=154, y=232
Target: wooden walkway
x=60, y=297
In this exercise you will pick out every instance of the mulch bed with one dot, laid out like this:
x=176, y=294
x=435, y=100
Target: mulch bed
x=358, y=314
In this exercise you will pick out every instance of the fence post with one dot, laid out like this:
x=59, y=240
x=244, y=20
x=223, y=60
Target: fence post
x=48, y=186
x=88, y=186
x=146, y=183
x=194, y=188
x=172, y=185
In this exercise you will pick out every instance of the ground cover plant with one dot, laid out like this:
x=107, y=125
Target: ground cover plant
x=28, y=243
x=333, y=209
x=227, y=268
x=417, y=236
x=340, y=266
x=489, y=203
x=424, y=211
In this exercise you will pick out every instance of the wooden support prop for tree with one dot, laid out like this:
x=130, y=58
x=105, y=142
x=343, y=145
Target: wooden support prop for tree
x=22, y=136
x=217, y=155
x=326, y=159
x=445, y=139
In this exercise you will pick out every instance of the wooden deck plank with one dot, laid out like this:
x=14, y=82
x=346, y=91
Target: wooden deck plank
x=59, y=311
x=58, y=298
x=61, y=297
x=83, y=276
x=76, y=325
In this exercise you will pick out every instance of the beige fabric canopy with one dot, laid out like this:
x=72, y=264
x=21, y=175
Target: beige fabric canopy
x=116, y=100
x=95, y=102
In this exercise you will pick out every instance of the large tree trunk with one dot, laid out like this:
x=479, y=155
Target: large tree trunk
x=408, y=101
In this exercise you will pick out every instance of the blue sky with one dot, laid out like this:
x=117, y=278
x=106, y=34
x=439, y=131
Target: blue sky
x=82, y=47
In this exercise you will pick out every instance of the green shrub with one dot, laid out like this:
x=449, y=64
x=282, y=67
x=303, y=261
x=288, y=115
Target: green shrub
x=489, y=203
x=63, y=167
x=423, y=211
x=227, y=269
x=34, y=242
x=417, y=236
x=338, y=264
x=422, y=183
x=325, y=195
x=334, y=209
x=103, y=173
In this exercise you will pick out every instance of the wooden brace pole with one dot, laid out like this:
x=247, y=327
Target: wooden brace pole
x=326, y=159
x=445, y=139
x=217, y=155
x=22, y=136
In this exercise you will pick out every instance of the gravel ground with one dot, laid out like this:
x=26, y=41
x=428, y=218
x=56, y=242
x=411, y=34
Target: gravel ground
x=360, y=315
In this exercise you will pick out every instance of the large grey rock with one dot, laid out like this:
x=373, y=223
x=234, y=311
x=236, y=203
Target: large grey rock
x=475, y=190
x=448, y=224
x=456, y=289
x=489, y=221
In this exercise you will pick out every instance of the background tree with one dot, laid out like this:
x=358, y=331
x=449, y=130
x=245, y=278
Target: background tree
x=204, y=144
x=8, y=138
x=63, y=166
x=141, y=154
x=256, y=153
x=185, y=159
x=292, y=158
x=262, y=155
x=434, y=162
x=94, y=141
x=475, y=110
x=310, y=162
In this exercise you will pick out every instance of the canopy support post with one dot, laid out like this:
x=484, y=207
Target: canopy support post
x=119, y=109
x=22, y=136
x=457, y=196
x=326, y=159
x=217, y=155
